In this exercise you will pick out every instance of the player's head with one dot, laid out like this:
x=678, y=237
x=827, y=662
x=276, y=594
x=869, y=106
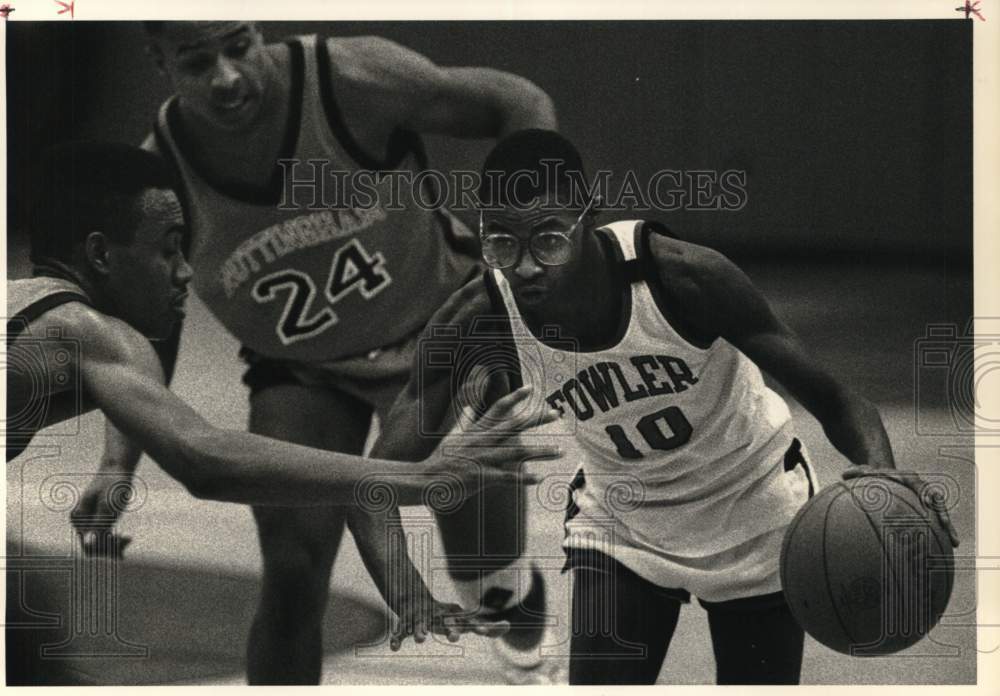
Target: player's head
x=109, y=212
x=536, y=212
x=219, y=70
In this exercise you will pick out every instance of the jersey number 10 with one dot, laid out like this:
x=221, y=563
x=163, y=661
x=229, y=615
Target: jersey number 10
x=650, y=430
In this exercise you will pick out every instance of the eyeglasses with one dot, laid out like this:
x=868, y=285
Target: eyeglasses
x=551, y=247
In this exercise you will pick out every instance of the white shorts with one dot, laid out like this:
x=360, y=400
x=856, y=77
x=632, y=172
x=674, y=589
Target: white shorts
x=747, y=569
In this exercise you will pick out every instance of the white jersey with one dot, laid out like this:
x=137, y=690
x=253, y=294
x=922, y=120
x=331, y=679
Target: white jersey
x=683, y=444
x=27, y=300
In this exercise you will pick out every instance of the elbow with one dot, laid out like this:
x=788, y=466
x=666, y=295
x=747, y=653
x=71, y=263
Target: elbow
x=544, y=108
x=531, y=107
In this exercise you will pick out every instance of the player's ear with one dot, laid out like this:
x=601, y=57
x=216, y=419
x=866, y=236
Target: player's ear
x=96, y=249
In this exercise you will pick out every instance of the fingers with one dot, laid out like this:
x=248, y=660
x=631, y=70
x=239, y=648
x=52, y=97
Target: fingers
x=859, y=471
x=538, y=453
x=504, y=406
x=490, y=629
x=916, y=484
x=103, y=543
x=496, y=477
x=455, y=621
x=945, y=519
x=448, y=620
x=421, y=631
x=511, y=414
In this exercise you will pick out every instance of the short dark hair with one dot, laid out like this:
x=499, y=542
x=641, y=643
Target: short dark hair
x=154, y=28
x=530, y=163
x=84, y=186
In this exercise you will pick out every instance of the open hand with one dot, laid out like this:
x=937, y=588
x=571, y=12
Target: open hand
x=423, y=615
x=489, y=449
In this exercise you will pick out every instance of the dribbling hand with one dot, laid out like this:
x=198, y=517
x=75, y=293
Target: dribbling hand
x=916, y=484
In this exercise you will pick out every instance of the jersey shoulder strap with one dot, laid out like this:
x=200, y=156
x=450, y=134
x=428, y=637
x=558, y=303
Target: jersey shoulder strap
x=638, y=268
x=61, y=293
x=645, y=270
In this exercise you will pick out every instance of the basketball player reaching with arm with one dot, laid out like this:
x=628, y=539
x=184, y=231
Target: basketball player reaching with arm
x=326, y=297
x=666, y=401
x=110, y=276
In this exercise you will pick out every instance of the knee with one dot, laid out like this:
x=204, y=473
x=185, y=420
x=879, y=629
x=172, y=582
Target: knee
x=296, y=583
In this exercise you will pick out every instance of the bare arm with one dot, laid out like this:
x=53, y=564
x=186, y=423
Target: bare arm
x=424, y=410
x=721, y=300
x=406, y=89
x=102, y=502
x=122, y=374
x=109, y=492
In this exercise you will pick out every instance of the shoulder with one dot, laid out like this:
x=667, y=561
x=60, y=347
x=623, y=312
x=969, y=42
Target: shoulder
x=378, y=63
x=101, y=338
x=691, y=269
x=707, y=289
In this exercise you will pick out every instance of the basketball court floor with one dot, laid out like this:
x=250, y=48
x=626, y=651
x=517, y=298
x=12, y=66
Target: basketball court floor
x=186, y=591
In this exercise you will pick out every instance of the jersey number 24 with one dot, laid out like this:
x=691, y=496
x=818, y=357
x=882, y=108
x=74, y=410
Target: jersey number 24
x=352, y=268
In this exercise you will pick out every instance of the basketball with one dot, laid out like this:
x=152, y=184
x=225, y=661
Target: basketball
x=866, y=568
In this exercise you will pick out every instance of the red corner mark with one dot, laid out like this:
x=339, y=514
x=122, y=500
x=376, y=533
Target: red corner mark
x=970, y=8
x=5, y=10
x=66, y=7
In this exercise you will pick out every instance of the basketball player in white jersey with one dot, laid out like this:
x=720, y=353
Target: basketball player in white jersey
x=326, y=301
x=652, y=349
x=110, y=275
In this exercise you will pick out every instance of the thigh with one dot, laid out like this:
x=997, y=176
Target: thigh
x=622, y=624
x=755, y=640
x=319, y=417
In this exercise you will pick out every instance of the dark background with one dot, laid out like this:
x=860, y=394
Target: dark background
x=855, y=136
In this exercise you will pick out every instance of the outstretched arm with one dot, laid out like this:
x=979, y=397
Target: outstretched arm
x=381, y=540
x=424, y=410
x=121, y=372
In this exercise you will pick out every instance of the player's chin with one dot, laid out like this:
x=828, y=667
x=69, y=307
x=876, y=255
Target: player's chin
x=164, y=329
x=236, y=116
x=532, y=294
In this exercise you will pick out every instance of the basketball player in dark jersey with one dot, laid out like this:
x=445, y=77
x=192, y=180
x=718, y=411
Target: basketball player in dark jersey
x=326, y=302
x=110, y=276
x=652, y=349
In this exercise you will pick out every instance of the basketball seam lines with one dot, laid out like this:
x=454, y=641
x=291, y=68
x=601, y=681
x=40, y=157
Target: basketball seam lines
x=885, y=554
x=826, y=568
x=943, y=550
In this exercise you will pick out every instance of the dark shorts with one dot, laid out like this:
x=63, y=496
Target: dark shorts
x=375, y=378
